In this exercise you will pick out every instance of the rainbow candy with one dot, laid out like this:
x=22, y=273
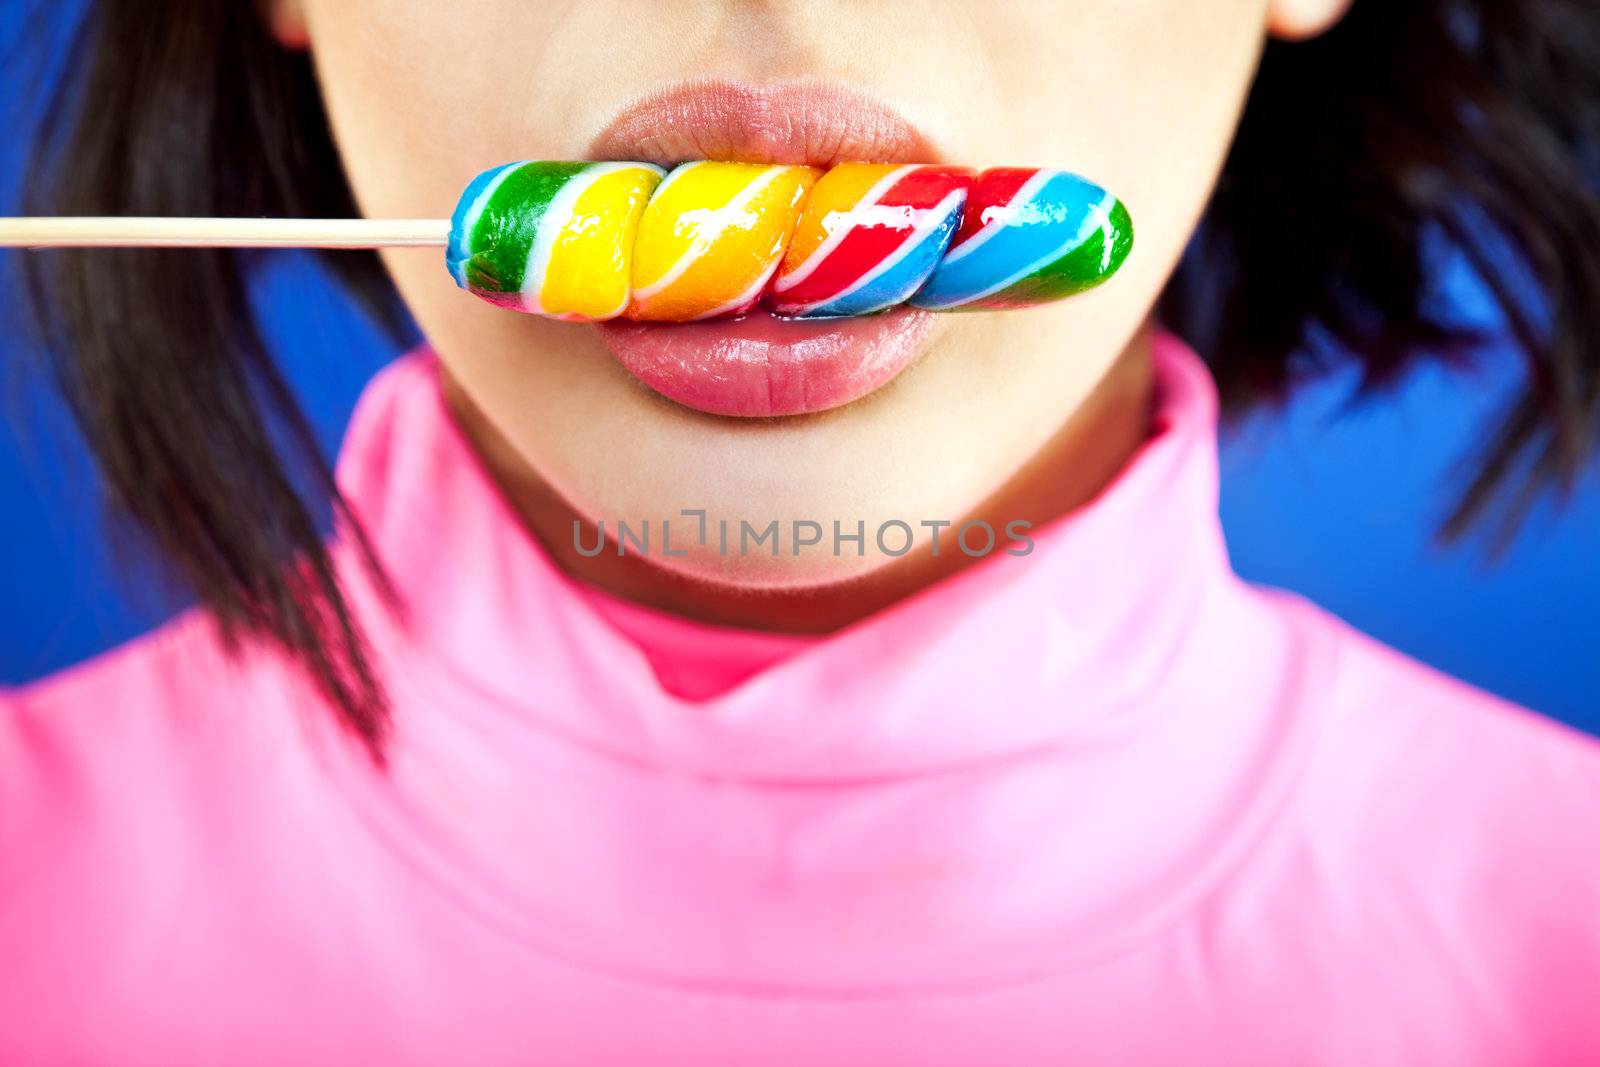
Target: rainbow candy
x=589, y=242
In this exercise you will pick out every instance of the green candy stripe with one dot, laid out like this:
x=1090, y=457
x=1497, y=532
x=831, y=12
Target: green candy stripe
x=500, y=242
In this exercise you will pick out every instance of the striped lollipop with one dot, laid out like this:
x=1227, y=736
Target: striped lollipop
x=596, y=241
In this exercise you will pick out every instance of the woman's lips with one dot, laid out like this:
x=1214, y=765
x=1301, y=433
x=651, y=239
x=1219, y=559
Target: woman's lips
x=761, y=365
x=807, y=123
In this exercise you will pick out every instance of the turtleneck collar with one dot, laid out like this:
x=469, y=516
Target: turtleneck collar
x=1021, y=766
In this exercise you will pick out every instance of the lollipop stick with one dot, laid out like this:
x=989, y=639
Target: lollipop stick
x=156, y=232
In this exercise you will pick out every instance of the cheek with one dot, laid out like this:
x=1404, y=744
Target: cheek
x=1140, y=95
x=416, y=117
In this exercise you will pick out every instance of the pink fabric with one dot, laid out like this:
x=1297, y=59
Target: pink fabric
x=1103, y=804
x=690, y=660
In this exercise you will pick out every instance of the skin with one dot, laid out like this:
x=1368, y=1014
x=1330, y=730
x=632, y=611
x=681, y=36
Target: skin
x=1021, y=415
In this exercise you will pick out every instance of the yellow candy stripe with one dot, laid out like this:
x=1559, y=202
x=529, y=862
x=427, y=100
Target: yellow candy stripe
x=579, y=265
x=711, y=237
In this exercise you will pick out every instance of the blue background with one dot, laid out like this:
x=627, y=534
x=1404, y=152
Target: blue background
x=1336, y=502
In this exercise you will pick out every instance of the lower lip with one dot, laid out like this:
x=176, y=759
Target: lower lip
x=760, y=365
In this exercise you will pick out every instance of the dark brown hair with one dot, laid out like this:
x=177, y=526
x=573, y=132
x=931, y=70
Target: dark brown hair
x=1411, y=125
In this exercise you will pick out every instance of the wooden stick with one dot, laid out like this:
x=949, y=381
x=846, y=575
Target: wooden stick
x=155, y=232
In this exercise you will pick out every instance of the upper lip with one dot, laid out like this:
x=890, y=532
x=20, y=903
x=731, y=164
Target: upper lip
x=810, y=123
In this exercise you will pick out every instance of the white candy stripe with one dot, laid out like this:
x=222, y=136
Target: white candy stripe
x=833, y=240
x=1030, y=188
x=701, y=244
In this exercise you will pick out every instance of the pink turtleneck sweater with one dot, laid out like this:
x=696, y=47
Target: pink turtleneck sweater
x=1101, y=804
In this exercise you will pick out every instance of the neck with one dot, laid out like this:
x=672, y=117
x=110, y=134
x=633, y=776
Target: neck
x=1083, y=456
